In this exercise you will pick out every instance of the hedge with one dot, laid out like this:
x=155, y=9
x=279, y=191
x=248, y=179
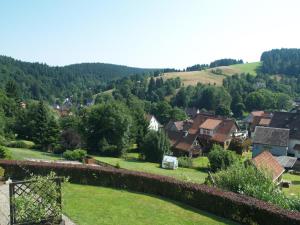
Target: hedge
x=230, y=205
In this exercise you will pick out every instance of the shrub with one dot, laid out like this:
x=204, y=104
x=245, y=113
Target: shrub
x=236, y=145
x=246, y=179
x=241, y=208
x=1, y=172
x=155, y=146
x=4, y=153
x=3, y=141
x=31, y=209
x=76, y=155
x=21, y=144
x=185, y=162
x=220, y=158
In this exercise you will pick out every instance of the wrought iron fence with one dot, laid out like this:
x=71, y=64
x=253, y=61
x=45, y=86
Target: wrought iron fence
x=41, y=201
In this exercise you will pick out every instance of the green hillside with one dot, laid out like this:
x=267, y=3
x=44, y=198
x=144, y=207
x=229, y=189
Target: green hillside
x=40, y=81
x=213, y=75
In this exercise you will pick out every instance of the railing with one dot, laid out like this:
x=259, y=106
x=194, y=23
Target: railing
x=41, y=201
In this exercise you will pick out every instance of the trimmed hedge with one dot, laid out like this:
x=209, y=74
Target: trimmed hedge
x=230, y=205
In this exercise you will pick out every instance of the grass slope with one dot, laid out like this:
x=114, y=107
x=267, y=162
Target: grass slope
x=89, y=205
x=196, y=174
x=207, y=76
x=23, y=153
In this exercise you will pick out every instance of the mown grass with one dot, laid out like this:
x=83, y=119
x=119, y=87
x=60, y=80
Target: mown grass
x=24, y=153
x=90, y=205
x=131, y=162
x=197, y=174
x=294, y=189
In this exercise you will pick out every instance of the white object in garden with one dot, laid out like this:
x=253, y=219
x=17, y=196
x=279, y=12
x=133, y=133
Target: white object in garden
x=169, y=162
x=8, y=181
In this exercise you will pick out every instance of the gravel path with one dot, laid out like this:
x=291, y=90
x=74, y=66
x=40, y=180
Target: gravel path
x=4, y=207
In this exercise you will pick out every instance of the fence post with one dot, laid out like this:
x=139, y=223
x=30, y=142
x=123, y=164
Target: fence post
x=11, y=203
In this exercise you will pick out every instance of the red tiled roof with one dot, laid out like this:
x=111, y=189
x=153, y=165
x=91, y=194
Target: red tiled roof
x=266, y=161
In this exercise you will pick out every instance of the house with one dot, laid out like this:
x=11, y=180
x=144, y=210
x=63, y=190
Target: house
x=272, y=139
x=153, y=122
x=192, y=137
x=290, y=121
x=258, y=118
x=267, y=162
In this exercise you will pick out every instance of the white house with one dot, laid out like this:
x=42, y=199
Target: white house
x=153, y=122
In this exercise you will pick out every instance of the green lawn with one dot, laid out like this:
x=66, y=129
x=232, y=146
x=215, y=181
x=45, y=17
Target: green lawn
x=294, y=189
x=90, y=205
x=23, y=153
x=196, y=174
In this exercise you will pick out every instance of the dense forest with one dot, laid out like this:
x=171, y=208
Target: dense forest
x=40, y=81
x=281, y=61
x=225, y=62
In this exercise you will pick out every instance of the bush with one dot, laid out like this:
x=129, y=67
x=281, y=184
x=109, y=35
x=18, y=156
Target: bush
x=220, y=158
x=3, y=141
x=241, y=208
x=76, y=155
x=1, y=172
x=21, y=144
x=185, y=161
x=246, y=179
x=155, y=146
x=4, y=153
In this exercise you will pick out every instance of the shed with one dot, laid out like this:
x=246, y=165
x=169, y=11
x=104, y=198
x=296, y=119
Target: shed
x=169, y=162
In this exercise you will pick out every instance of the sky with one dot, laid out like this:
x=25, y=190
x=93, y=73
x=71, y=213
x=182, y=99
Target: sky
x=146, y=33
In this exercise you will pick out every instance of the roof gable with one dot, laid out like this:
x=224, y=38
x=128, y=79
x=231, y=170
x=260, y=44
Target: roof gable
x=266, y=161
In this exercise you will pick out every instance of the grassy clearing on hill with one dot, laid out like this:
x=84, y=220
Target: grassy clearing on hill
x=207, y=76
x=99, y=205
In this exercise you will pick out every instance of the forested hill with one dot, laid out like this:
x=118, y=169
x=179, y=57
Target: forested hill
x=40, y=81
x=281, y=61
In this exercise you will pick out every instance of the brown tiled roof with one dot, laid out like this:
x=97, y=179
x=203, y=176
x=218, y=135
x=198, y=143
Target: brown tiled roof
x=223, y=129
x=180, y=141
x=210, y=124
x=265, y=161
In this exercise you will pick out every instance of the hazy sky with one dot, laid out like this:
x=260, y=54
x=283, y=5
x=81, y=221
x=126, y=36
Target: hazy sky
x=146, y=33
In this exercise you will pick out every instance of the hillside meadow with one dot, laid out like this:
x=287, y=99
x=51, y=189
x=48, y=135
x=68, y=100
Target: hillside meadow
x=208, y=76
